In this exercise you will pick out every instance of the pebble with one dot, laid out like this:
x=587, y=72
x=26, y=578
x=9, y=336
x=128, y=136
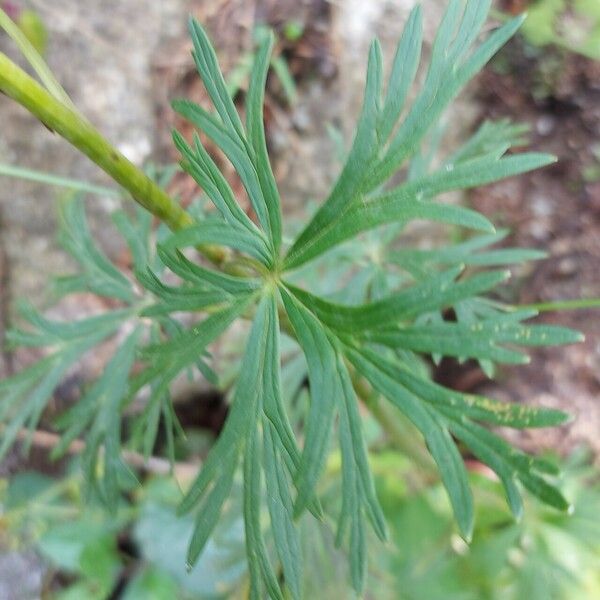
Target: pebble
x=545, y=124
x=567, y=267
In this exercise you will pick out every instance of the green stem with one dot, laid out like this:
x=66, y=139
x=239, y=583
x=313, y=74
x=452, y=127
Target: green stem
x=63, y=182
x=34, y=59
x=76, y=129
x=578, y=304
x=400, y=432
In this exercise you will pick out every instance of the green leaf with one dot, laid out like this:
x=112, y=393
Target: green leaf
x=444, y=81
x=50, y=332
x=242, y=414
x=439, y=442
x=465, y=253
x=196, y=274
x=259, y=564
x=321, y=359
x=448, y=339
x=479, y=408
x=103, y=402
x=100, y=274
x=403, y=72
x=489, y=137
x=212, y=231
x=285, y=535
x=188, y=298
x=330, y=385
x=364, y=148
x=274, y=411
x=205, y=172
x=248, y=155
x=180, y=351
x=136, y=234
x=351, y=430
x=256, y=137
x=440, y=291
x=409, y=201
x=26, y=395
x=151, y=583
x=208, y=67
x=357, y=484
x=210, y=510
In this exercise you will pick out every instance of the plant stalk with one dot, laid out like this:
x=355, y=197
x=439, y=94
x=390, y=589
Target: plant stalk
x=78, y=131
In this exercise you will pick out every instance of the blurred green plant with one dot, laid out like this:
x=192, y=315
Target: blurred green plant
x=365, y=336
x=570, y=24
x=30, y=24
x=240, y=74
x=546, y=555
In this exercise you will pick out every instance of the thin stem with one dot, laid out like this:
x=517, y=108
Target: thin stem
x=34, y=59
x=578, y=304
x=183, y=471
x=399, y=431
x=77, y=130
x=58, y=181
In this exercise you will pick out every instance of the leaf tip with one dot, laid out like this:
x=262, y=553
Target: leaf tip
x=563, y=418
x=193, y=24
x=517, y=514
x=466, y=529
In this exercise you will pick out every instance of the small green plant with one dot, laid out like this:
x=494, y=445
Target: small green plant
x=424, y=559
x=570, y=24
x=360, y=333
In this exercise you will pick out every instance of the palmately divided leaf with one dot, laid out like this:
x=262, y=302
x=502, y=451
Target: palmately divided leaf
x=182, y=298
x=26, y=395
x=421, y=262
x=246, y=150
x=107, y=395
x=321, y=359
x=98, y=273
x=403, y=72
x=331, y=385
x=380, y=323
x=413, y=396
x=205, y=172
x=442, y=84
x=349, y=210
x=242, y=417
x=260, y=567
x=257, y=385
x=479, y=408
x=180, y=351
x=256, y=138
x=363, y=150
x=411, y=201
x=285, y=534
x=208, y=67
x=199, y=275
x=213, y=231
x=439, y=442
x=438, y=292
